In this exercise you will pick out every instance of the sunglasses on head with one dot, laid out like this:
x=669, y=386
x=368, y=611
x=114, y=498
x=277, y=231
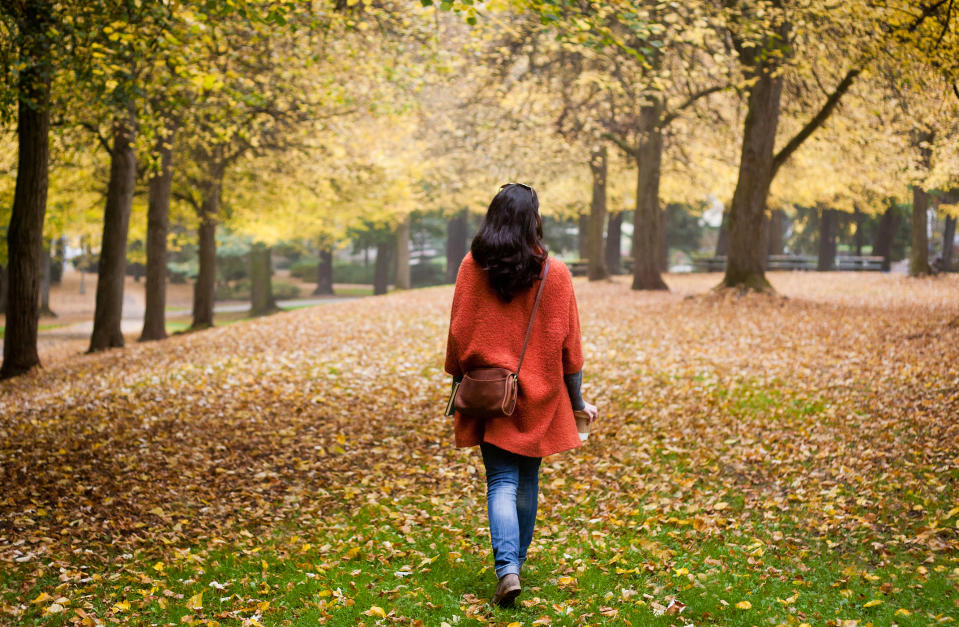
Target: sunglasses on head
x=523, y=185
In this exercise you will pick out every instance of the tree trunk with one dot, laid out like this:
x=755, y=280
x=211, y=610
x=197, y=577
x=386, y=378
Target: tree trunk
x=111, y=269
x=859, y=220
x=614, y=235
x=46, y=269
x=948, y=237
x=777, y=219
x=403, y=254
x=455, y=244
x=261, y=281
x=919, y=253
x=597, y=216
x=158, y=216
x=744, y=264
x=25, y=230
x=381, y=268
x=646, y=227
x=885, y=234
x=4, y=283
x=324, y=271
x=827, y=239
x=583, y=236
x=57, y=260
x=204, y=290
x=722, y=241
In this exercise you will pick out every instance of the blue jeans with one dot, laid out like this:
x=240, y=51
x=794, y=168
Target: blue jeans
x=512, y=488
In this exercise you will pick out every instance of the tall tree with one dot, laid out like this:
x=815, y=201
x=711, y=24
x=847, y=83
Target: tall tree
x=32, y=23
x=597, y=215
x=111, y=269
x=766, y=40
x=158, y=217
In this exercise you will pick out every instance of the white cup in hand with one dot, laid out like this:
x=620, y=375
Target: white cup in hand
x=584, y=419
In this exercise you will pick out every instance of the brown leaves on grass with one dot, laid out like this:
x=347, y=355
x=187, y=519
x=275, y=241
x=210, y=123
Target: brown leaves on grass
x=816, y=408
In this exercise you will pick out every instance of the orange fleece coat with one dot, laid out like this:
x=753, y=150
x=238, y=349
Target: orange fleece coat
x=486, y=331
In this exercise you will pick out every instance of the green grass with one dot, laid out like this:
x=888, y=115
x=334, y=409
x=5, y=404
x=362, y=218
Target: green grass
x=579, y=567
x=595, y=559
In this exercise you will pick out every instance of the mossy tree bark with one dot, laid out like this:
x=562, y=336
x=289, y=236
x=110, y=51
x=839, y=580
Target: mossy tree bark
x=111, y=270
x=597, y=216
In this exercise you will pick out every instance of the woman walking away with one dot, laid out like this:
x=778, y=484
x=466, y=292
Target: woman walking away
x=493, y=303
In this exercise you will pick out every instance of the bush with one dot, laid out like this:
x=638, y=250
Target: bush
x=353, y=273
x=285, y=291
x=304, y=269
x=432, y=272
x=240, y=290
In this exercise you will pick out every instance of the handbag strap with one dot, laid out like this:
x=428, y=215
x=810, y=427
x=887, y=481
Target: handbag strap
x=529, y=329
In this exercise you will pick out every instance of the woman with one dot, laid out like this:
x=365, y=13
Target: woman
x=495, y=290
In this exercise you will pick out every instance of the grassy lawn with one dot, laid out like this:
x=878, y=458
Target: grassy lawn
x=759, y=461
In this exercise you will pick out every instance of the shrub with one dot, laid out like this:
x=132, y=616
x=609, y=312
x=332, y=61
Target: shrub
x=304, y=269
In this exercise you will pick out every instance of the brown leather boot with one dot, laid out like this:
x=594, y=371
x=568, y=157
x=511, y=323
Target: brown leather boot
x=507, y=590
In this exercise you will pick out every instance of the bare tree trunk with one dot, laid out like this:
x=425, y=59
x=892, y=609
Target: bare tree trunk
x=859, y=219
x=57, y=259
x=919, y=253
x=158, y=216
x=403, y=254
x=646, y=228
x=4, y=284
x=744, y=265
x=261, y=281
x=948, y=237
x=25, y=230
x=597, y=216
x=204, y=290
x=381, y=268
x=455, y=244
x=722, y=241
x=582, y=233
x=324, y=271
x=46, y=267
x=777, y=220
x=827, y=239
x=885, y=234
x=111, y=269
x=614, y=235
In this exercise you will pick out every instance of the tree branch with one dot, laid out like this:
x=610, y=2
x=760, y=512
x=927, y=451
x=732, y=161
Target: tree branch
x=816, y=121
x=623, y=144
x=104, y=142
x=702, y=93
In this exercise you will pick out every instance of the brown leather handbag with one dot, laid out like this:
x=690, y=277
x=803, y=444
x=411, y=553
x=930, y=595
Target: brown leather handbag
x=489, y=392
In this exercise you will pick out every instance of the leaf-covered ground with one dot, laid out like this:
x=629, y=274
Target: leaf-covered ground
x=759, y=460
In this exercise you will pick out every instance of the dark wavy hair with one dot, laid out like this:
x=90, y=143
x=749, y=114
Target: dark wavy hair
x=509, y=244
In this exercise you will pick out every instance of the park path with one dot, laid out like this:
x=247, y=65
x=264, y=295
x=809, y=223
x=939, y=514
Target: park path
x=74, y=302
